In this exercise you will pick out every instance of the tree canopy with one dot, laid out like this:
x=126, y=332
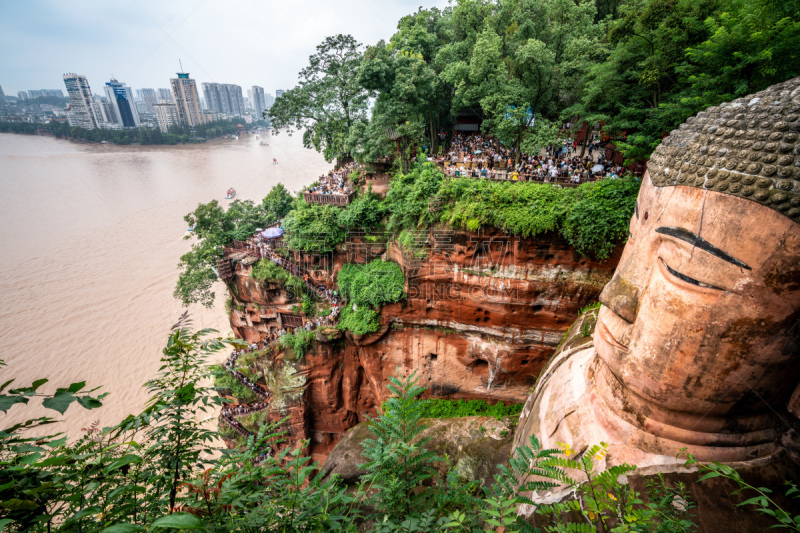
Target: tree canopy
x=639, y=67
x=328, y=101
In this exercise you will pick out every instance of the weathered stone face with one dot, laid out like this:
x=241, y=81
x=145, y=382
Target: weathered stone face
x=698, y=327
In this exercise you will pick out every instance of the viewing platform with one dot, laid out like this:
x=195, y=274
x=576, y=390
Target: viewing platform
x=329, y=199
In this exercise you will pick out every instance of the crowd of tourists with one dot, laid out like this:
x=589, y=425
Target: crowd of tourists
x=263, y=247
x=230, y=366
x=480, y=156
x=240, y=409
x=334, y=182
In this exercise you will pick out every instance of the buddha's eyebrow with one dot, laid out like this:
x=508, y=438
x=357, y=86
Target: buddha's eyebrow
x=697, y=240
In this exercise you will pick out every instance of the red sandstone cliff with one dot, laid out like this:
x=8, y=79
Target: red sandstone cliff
x=483, y=314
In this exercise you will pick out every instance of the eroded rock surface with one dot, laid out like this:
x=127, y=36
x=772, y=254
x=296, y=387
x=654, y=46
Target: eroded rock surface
x=483, y=314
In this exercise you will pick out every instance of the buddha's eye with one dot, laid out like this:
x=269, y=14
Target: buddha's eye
x=687, y=279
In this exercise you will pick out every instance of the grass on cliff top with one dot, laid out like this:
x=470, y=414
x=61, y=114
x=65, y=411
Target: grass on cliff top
x=438, y=408
x=593, y=217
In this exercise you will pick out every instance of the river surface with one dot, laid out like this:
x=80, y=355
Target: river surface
x=90, y=238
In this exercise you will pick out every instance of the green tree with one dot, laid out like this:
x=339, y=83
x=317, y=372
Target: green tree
x=636, y=90
x=397, y=461
x=328, y=101
x=313, y=227
x=277, y=203
x=363, y=213
x=31, y=494
x=214, y=227
x=402, y=83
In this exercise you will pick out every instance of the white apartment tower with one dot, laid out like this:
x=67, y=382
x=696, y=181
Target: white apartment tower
x=184, y=91
x=104, y=112
x=81, y=111
x=166, y=115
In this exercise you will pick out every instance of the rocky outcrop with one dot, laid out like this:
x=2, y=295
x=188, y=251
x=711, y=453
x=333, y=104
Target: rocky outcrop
x=473, y=446
x=483, y=313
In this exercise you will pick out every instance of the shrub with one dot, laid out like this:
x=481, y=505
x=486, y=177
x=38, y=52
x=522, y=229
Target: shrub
x=267, y=270
x=600, y=217
x=365, y=212
x=373, y=284
x=298, y=342
x=359, y=322
x=438, y=408
x=368, y=287
x=308, y=306
x=224, y=381
x=593, y=217
x=313, y=227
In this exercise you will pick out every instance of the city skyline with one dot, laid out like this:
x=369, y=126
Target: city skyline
x=268, y=47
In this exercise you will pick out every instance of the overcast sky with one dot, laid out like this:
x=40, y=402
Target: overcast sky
x=246, y=42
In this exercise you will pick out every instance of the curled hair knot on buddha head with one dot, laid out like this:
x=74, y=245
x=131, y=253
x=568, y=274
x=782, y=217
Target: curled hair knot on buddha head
x=749, y=147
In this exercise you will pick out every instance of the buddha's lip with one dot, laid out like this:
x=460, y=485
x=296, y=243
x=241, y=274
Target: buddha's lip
x=607, y=336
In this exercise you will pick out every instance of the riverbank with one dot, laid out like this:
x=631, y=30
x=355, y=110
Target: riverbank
x=140, y=136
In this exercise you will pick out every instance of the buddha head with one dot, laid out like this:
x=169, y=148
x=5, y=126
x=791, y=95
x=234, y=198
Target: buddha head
x=698, y=337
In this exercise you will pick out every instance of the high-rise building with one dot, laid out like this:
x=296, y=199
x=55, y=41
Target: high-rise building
x=224, y=98
x=22, y=95
x=213, y=98
x=80, y=98
x=184, y=91
x=164, y=94
x=150, y=98
x=279, y=93
x=259, y=102
x=269, y=99
x=104, y=112
x=120, y=96
x=3, y=100
x=235, y=99
x=166, y=115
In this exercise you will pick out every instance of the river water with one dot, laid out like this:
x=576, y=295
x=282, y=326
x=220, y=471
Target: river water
x=91, y=237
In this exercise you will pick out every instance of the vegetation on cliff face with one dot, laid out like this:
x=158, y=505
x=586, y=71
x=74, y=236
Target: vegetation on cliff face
x=299, y=342
x=266, y=270
x=593, y=217
x=365, y=289
x=439, y=408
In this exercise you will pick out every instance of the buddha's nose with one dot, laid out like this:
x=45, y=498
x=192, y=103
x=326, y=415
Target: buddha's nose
x=622, y=297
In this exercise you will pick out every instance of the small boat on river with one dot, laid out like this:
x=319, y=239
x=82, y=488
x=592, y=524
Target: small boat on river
x=231, y=193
